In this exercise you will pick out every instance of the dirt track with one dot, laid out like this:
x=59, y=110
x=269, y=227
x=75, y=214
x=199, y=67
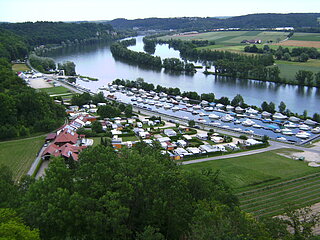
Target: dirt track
x=295, y=43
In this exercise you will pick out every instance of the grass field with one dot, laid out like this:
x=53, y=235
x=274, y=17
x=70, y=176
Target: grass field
x=20, y=154
x=232, y=37
x=288, y=70
x=56, y=90
x=267, y=182
x=306, y=37
x=20, y=67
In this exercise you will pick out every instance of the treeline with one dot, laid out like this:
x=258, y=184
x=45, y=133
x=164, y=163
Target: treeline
x=251, y=21
x=300, y=54
x=23, y=110
x=12, y=46
x=238, y=100
x=135, y=193
x=42, y=64
x=120, y=50
x=42, y=33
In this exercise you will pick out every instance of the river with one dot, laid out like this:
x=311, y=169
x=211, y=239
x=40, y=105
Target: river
x=97, y=61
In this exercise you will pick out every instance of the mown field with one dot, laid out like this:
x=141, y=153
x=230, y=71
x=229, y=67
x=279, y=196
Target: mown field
x=20, y=67
x=56, y=90
x=266, y=182
x=19, y=155
x=232, y=37
x=288, y=70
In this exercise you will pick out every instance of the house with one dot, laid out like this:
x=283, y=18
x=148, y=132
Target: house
x=216, y=139
x=207, y=148
x=170, y=132
x=181, y=152
x=187, y=137
x=164, y=145
x=115, y=132
x=117, y=143
x=66, y=136
x=144, y=135
x=164, y=139
x=202, y=136
x=139, y=124
x=193, y=150
x=171, y=146
x=182, y=143
x=251, y=142
x=51, y=136
x=232, y=146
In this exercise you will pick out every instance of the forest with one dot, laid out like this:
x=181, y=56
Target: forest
x=42, y=33
x=25, y=111
x=266, y=20
x=135, y=193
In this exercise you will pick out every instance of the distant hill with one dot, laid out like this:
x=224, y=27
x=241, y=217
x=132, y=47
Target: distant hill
x=265, y=20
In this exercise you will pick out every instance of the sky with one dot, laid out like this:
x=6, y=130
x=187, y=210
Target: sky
x=76, y=10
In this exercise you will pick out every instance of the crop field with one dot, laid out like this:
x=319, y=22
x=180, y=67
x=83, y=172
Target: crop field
x=252, y=171
x=19, y=155
x=295, y=43
x=306, y=37
x=267, y=182
x=232, y=37
x=273, y=199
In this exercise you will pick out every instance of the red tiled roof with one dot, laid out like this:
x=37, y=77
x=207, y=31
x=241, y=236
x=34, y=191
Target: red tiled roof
x=66, y=136
x=51, y=136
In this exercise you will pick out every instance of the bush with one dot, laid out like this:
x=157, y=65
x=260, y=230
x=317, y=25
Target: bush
x=243, y=137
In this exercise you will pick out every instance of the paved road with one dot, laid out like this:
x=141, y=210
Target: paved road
x=36, y=162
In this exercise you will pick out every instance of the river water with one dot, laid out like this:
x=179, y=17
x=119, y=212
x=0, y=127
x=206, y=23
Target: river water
x=97, y=61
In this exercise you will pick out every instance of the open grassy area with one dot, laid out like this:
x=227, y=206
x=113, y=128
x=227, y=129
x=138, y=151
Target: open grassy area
x=267, y=182
x=20, y=67
x=253, y=170
x=288, y=70
x=56, y=90
x=20, y=154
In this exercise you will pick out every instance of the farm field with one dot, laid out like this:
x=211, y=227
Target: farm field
x=20, y=67
x=232, y=37
x=19, y=155
x=266, y=182
x=288, y=70
x=295, y=43
x=306, y=37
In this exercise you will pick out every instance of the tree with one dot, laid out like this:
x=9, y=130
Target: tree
x=13, y=227
x=237, y=100
x=317, y=79
x=191, y=123
x=68, y=67
x=282, y=107
x=96, y=127
x=302, y=221
x=304, y=77
x=303, y=57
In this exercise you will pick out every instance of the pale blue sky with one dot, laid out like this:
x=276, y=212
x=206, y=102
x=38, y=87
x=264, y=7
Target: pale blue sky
x=71, y=10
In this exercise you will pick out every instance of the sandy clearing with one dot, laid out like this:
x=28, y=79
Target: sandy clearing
x=39, y=83
x=296, y=43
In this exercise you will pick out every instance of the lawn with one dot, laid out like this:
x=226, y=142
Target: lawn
x=20, y=67
x=288, y=70
x=20, y=154
x=252, y=170
x=56, y=90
